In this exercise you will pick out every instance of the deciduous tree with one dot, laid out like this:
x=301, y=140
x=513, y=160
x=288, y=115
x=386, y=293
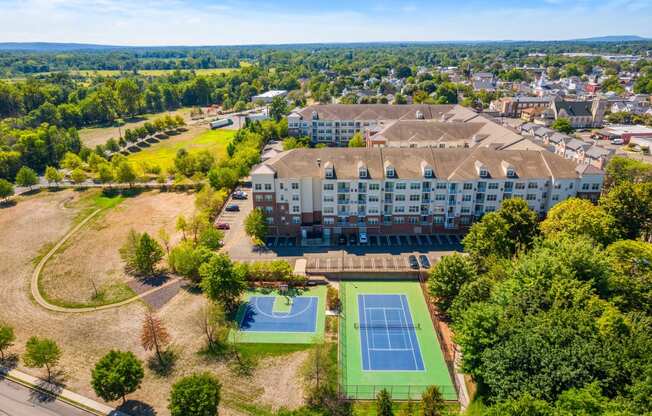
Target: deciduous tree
x=7, y=338
x=197, y=394
x=221, y=281
x=116, y=375
x=42, y=352
x=153, y=335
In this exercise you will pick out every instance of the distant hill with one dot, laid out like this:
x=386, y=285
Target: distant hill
x=622, y=38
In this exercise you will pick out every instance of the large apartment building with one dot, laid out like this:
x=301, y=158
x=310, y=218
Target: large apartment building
x=335, y=124
x=323, y=193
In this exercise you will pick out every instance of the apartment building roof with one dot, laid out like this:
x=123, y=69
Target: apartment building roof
x=430, y=133
x=450, y=164
x=374, y=111
x=574, y=108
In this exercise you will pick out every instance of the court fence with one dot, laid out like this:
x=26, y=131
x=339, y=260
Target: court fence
x=397, y=392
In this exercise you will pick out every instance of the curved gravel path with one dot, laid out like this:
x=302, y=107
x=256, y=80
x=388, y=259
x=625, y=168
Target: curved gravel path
x=36, y=292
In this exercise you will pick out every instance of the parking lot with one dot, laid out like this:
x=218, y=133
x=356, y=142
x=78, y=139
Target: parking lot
x=435, y=241
x=235, y=220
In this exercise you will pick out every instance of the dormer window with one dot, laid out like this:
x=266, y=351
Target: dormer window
x=428, y=173
x=363, y=172
x=511, y=173
x=329, y=170
x=426, y=169
x=484, y=172
x=509, y=170
x=390, y=172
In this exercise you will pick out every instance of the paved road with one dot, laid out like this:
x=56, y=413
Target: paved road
x=16, y=400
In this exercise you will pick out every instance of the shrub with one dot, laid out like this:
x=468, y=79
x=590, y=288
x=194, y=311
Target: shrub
x=333, y=298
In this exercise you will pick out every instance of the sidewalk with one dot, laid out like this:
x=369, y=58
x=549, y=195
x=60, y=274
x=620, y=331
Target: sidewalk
x=63, y=395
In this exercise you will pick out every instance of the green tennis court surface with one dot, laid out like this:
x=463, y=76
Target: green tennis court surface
x=387, y=340
x=296, y=317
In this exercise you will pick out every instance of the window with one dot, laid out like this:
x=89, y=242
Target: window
x=585, y=186
x=428, y=173
x=413, y=220
x=296, y=209
x=269, y=210
x=390, y=172
x=519, y=185
x=595, y=186
x=363, y=172
x=415, y=198
x=268, y=186
x=372, y=221
x=493, y=185
x=484, y=173
x=401, y=186
x=438, y=219
x=399, y=198
x=258, y=198
x=468, y=186
x=466, y=198
x=466, y=210
x=441, y=185
x=440, y=197
x=413, y=209
x=415, y=186
x=399, y=209
x=329, y=210
x=492, y=197
x=532, y=185
x=531, y=197
x=269, y=198
x=329, y=187
x=258, y=187
x=399, y=220
x=295, y=197
x=269, y=220
x=374, y=186
x=295, y=185
x=373, y=198
x=555, y=197
x=329, y=221
x=296, y=220
x=330, y=173
x=511, y=173
x=328, y=198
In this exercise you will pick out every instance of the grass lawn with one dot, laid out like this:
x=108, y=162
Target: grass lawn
x=163, y=153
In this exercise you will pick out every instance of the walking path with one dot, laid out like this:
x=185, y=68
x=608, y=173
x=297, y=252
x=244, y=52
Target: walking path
x=63, y=395
x=36, y=292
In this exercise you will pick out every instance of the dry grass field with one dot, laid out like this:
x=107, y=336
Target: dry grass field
x=88, y=270
x=38, y=221
x=92, y=136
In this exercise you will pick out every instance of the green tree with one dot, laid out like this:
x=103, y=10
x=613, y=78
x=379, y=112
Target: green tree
x=630, y=205
x=197, y=394
x=357, y=140
x=384, y=403
x=562, y=125
x=6, y=189
x=129, y=96
x=448, y=276
x=223, y=177
x=141, y=253
x=256, y=225
x=52, y=175
x=7, y=338
x=105, y=173
x=221, y=281
x=125, y=173
x=78, y=176
x=186, y=259
x=278, y=108
x=26, y=177
x=42, y=352
x=71, y=161
x=622, y=169
x=432, y=402
x=576, y=217
x=117, y=374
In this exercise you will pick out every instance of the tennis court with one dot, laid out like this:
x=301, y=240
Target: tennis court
x=388, y=337
x=387, y=340
x=268, y=316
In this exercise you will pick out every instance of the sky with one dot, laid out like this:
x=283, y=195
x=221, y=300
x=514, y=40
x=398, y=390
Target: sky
x=237, y=22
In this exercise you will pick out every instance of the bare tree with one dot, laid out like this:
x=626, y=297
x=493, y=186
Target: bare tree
x=154, y=336
x=210, y=320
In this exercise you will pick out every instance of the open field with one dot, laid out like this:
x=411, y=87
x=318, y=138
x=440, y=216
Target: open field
x=97, y=276
x=195, y=139
x=38, y=221
x=92, y=136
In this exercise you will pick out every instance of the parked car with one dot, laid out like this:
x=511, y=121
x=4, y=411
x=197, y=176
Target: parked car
x=239, y=195
x=617, y=141
x=341, y=240
x=425, y=262
x=232, y=208
x=363, y=238
x=223, y=226
x=353, y=239
x=413, y=262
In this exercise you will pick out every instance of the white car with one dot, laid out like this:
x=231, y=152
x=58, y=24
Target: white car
x=617, y=141
x=363, y=238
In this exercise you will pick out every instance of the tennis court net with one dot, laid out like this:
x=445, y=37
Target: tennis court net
x=385, y=326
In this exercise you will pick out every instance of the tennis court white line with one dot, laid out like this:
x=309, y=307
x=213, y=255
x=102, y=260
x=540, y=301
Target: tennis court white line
x=390, y=349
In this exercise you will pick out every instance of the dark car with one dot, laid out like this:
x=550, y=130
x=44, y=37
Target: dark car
x=413, y=262
x=353, y=239
x=425, y=263
x=341, y=240
x=223, y=226
x=232, y=208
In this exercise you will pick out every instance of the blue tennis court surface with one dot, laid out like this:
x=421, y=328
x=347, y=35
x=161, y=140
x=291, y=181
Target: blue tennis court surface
x=260, y=315
x=387, y=334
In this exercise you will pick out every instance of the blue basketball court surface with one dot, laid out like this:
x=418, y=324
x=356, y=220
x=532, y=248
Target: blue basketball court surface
x=262, y=315
x=387, y=334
